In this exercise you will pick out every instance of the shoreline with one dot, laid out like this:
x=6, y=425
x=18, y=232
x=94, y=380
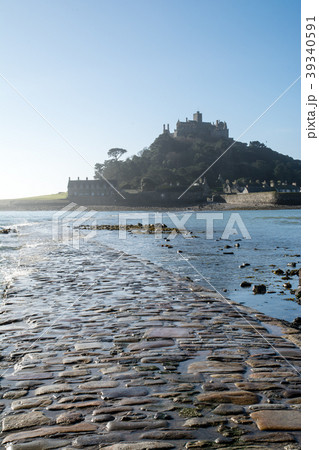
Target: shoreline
x=288, y=331
x=31, y=206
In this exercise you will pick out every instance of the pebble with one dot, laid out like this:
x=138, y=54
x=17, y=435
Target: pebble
x=245, y=284
x=224, y=440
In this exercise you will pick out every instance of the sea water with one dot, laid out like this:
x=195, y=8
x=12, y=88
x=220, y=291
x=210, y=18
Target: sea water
x=273, y=242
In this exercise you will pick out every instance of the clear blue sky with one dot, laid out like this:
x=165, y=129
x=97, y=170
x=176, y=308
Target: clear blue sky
x=109, y=73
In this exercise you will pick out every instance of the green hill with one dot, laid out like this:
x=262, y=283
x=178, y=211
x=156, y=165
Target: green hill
x=171, y=163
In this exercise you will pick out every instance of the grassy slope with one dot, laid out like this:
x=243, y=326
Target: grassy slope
x=59, y=196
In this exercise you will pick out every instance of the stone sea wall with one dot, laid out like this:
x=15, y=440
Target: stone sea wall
x=264, y=198
x=152, y=199
x=147, y=198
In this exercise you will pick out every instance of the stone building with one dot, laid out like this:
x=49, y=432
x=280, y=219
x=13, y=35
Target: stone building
x=99, y=192
x=232, y=187
x=200, y=129
x=94, y=192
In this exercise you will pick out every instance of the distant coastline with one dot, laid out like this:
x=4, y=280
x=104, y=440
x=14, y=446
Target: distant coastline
x=253, y=201
x=14, y=205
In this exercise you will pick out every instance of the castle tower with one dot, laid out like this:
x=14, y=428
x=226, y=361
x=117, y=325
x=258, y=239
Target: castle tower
x=198, y=117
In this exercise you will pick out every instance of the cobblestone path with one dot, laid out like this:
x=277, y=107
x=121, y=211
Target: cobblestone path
x=111, y=352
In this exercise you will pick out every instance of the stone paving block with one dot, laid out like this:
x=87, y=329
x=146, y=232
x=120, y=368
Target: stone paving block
x=236, y=397
x=277, y=420
x=47, y=431
x=31, y=402
x=167, y=332
x=139, y=446
x=16, y=421
x=53, y=389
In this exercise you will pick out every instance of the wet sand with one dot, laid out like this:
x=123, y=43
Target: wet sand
x=103, y=350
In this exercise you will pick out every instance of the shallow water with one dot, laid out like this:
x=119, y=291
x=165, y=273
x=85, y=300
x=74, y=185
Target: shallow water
x=275, y=242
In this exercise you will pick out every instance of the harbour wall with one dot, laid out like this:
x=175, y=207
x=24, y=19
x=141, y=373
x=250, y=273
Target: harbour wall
x=264, y=198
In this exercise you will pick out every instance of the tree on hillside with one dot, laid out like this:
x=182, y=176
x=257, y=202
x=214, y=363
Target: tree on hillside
x=98, y=171
x=256, y=144
x=116, y=153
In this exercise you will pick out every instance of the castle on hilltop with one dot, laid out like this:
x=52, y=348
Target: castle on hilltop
x=100, y=191
x=198, y=128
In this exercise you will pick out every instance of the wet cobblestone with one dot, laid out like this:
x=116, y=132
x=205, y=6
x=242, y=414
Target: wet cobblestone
x=102, y=350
